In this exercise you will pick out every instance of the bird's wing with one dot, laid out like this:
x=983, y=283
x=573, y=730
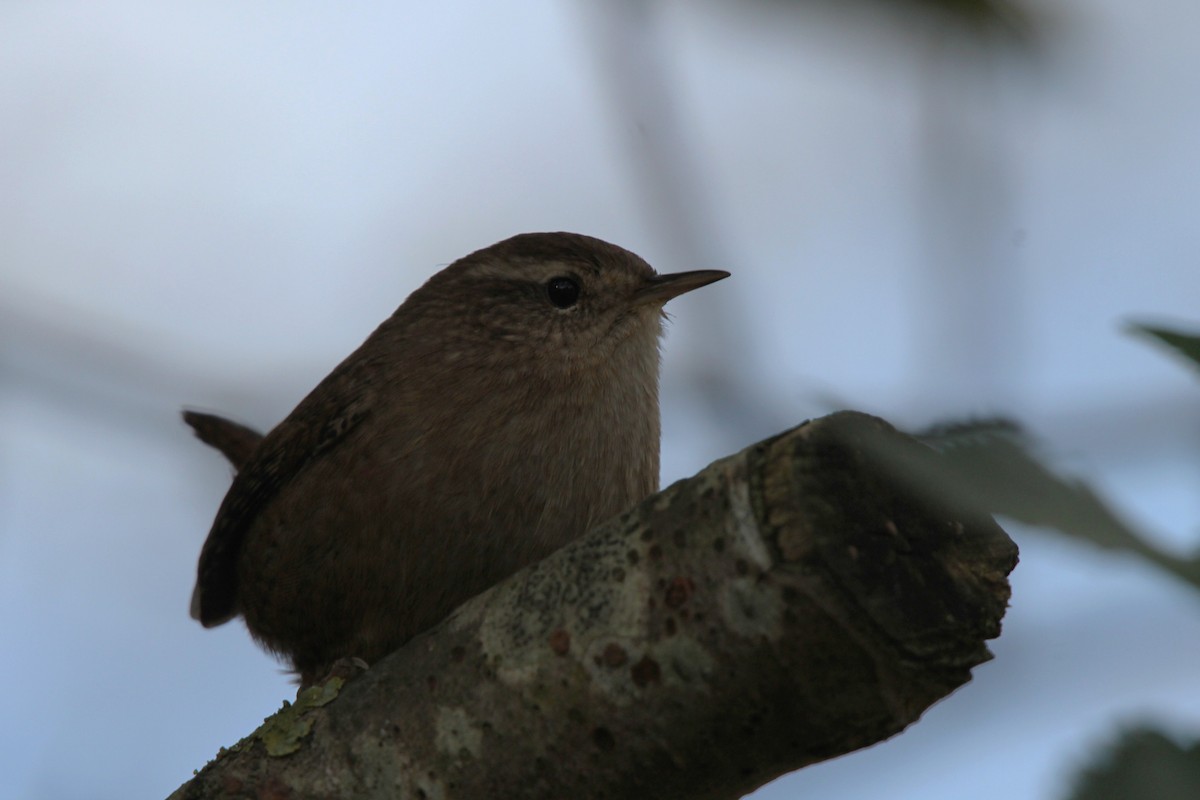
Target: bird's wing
x=340, y=403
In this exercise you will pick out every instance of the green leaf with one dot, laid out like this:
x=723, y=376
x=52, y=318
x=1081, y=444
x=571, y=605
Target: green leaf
x=1143, y=763
x=1185, y=344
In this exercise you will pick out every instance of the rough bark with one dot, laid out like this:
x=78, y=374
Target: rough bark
x=791, y=603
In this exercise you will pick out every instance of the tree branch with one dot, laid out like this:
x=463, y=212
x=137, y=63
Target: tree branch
x=791, y=603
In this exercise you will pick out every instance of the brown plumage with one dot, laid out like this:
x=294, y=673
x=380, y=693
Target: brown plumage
x=507, y=406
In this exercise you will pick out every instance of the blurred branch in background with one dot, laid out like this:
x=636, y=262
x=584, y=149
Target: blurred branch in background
x=970, y=320
x=59, y=361
x=963, y=163
x=669, y=177
x=100, y=371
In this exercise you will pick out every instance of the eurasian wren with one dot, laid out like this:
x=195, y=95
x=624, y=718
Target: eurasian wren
x=510, y=404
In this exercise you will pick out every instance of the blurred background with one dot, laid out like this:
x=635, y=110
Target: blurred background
x=933, y=211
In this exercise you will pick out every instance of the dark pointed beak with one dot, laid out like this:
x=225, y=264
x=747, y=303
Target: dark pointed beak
x=662, y=288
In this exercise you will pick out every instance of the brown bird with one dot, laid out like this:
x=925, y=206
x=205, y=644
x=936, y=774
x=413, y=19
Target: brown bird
x=509, y=405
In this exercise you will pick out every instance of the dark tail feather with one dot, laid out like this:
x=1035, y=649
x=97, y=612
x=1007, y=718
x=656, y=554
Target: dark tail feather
x=236, y=442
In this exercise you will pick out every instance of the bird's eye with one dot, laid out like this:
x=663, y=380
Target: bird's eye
x=563, y=291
